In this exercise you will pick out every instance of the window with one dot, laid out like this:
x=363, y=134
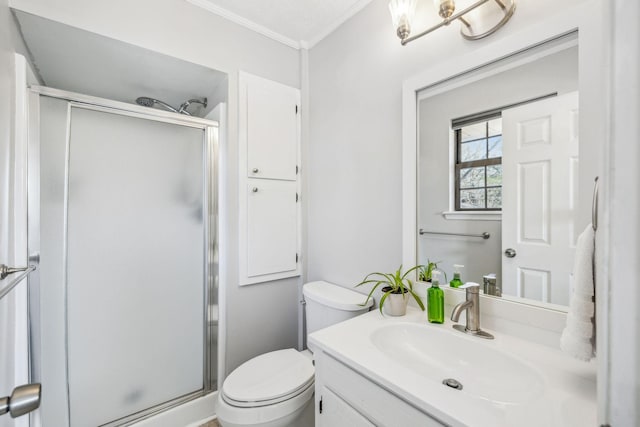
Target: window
x=479, y=166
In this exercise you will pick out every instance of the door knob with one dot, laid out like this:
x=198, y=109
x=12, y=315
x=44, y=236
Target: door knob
x=24, y=399
x=254, y=170
x=510, y=253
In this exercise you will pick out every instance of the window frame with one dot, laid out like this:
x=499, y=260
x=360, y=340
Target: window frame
x=474, y=163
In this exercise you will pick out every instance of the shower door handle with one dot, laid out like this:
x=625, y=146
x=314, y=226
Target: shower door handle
x=23, y=399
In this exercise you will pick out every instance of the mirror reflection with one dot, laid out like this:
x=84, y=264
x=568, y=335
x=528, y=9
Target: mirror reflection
x=498, y=157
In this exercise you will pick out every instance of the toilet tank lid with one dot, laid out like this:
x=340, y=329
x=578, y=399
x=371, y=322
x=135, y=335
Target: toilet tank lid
x=335, y=296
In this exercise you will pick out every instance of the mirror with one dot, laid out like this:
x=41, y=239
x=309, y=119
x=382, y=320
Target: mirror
x=498, y=179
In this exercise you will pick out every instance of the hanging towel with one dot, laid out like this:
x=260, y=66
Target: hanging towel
x=578, y=336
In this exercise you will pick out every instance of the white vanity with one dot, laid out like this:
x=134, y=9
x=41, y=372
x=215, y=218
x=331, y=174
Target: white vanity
x=389, y=371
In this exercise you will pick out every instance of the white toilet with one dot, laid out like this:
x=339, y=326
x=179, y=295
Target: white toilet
x=276, y=389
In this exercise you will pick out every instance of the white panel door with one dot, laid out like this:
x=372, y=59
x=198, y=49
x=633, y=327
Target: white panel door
x=272, y=129
x=272, y=227
x=540, y=190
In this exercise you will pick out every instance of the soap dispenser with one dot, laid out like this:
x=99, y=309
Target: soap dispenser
x=456, y=282
x=435, y=299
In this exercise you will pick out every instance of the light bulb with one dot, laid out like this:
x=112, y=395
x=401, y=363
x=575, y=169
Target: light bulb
x=445, y=8
x=401, y=14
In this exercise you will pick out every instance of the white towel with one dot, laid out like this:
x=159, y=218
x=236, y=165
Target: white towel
x=577, y=337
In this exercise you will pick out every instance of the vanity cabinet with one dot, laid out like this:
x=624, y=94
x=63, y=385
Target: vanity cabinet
x=345, y=398
x=269, y=180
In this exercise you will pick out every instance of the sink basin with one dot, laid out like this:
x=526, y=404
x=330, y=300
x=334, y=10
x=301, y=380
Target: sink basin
x=434, y=354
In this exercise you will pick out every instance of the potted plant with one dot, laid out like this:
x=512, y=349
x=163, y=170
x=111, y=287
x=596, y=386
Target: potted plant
x=396, y=288
x=424, y=271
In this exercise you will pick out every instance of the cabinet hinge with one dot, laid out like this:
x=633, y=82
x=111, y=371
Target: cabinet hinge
x=320, y=405
x=296, y=258
x=297, y=170
x=296, y=109
x=297, y=197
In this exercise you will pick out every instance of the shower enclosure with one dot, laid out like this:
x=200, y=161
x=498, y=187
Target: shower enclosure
x=122, y=225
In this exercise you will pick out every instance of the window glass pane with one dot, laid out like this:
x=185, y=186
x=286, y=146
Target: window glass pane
x=495, y=146
x=494, y=198
x=494, y=175
x=471, y=132
x=475, y=150
x=472, y=199
x=495, y=126
x=472, y=177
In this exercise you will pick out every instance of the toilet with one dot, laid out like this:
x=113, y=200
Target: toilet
x=276, y=389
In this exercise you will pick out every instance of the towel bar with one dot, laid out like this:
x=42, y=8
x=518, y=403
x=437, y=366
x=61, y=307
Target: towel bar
x=484, y=235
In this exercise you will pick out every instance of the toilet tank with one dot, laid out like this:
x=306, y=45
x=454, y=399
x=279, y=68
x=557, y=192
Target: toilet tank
x=328, y=304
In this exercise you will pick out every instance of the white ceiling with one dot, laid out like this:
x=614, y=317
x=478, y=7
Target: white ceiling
x=296, y=23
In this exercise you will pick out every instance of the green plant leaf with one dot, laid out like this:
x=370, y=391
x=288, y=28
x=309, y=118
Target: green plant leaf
x=410, y=270
x=418, y=300
x=368, y=281
x=382, y=300
x=371, y=293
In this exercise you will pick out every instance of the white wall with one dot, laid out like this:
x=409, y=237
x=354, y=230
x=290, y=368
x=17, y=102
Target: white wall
x=554, y=73
x=356, y=76
x=261, y=317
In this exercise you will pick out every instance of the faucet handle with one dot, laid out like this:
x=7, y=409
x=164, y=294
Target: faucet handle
x=471, y=287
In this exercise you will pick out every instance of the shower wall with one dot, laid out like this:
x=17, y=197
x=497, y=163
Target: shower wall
x=124, y=263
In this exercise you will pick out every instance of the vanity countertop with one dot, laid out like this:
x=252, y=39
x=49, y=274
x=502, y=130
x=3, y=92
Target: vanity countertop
x=558, y=390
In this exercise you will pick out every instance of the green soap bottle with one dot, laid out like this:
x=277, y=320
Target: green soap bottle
x=435, y=300
x=456, y=282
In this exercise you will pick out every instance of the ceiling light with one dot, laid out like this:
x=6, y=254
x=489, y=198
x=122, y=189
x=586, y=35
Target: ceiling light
x=488, y=16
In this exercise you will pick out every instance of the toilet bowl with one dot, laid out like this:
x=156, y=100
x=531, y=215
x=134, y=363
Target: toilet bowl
x=273, y=389
x=276, y=389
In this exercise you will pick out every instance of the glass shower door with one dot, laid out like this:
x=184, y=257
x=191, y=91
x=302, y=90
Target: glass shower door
x=135, y=267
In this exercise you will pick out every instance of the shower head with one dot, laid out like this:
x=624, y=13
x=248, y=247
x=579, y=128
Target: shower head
x=185, y=105
x=150, y=102
x=145, y=101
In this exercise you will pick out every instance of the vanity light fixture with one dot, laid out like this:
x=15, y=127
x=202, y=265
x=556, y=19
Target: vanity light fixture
x=488, y=17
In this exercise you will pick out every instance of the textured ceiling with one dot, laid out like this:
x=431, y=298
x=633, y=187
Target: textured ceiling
x=298, y=23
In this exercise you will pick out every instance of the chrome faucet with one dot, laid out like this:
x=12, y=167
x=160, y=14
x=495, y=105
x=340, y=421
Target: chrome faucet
x=490, y=285
x=472, y=306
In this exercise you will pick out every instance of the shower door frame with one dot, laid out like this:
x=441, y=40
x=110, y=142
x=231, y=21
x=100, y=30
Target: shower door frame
x=211, y=227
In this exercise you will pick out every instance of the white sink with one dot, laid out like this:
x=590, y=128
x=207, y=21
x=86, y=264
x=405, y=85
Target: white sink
x=506, y=382
x=435, y=355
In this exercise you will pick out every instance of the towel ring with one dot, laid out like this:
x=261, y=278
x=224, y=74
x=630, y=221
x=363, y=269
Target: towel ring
x=594, y=206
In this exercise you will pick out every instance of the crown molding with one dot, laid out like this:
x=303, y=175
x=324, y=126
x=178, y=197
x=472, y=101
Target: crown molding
x=302, y=44
x=357, y=7
x=247, y=23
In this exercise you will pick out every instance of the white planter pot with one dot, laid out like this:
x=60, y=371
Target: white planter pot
x=395, y=304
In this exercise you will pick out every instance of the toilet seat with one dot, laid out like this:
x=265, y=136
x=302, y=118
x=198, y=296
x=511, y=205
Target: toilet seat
x=277, y=414
x=269, y=379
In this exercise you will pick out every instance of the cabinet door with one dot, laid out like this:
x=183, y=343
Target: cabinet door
x=272, y=129
x=338, y=413
x=272, y=227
